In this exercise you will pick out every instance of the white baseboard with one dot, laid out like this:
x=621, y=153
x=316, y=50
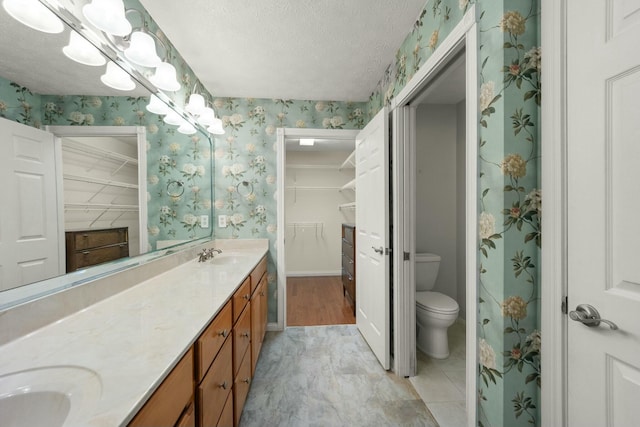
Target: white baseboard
x=314, y=273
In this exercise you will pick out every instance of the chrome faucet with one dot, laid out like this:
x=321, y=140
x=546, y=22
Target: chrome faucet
x=207, y=254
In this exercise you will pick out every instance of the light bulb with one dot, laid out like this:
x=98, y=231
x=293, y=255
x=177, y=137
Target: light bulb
x=117, y=78
x=34, y=14
x=108, y=16
x=165, y=78
x=196, y=104
x=156, y=106
x=80, y=50
x=142, y=50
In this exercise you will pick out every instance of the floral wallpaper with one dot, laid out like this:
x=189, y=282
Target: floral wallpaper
x=245, y=163
x=509, y=198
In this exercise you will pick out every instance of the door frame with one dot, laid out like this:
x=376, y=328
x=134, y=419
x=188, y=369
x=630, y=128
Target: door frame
x=140, y=132
x=553, y=393
x=281, y=163
x=464, y=37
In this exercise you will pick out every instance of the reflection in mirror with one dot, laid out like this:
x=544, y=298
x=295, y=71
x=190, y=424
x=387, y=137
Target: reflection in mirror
x=92, y=188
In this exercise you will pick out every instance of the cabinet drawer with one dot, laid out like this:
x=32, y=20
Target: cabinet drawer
x=241, y=298
x=167, y=403
x=348, y=265
x=347, y=249
x=241, y=387
x=98, y=256
x=93, y=238
x=226, y=419
x=212, y=340
x=241, y=338
x=188, y=418
x=216, y=387
x=349, y=233
x=257, y=273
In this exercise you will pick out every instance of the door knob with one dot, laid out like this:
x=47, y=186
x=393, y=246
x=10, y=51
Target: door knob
x=377, y=250
x=589, y=316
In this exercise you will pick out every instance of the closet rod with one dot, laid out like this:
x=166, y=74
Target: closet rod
x=100, y=206
x=298, y=187
x=99, y=181
x=300, y=166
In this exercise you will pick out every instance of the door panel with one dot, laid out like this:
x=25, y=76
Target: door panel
x=29, y=235
x=372, y=236
x=603, y=153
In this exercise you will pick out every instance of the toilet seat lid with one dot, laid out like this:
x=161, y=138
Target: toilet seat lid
x=436, y=301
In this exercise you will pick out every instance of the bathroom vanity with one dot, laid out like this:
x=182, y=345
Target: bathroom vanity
x=177, y=349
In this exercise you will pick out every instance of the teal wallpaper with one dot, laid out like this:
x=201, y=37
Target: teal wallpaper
x=509, y=197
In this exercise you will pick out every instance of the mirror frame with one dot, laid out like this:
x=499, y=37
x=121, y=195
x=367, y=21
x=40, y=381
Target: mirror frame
x=30, y=292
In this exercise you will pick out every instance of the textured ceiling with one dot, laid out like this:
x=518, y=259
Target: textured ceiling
x=293, y=49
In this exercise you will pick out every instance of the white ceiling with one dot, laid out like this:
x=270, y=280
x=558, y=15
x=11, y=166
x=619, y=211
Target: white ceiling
x=293, y=49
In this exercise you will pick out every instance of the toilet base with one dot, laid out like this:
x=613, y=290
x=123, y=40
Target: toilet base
x=434, y=342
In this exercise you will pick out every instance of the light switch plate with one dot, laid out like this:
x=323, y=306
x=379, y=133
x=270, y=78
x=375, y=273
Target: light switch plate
x=204, y=221
x=222, y=221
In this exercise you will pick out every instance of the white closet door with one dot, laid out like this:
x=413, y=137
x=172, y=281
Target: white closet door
x=29, y=227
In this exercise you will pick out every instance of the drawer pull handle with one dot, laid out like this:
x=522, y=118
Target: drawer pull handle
x=246, y=297
x=224, y=385
x=223, y=333
x=246, y=380
x=262, y=293
x=85, y=252
x=245, y=334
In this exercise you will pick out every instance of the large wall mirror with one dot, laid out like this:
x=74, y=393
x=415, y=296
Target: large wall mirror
x=114, y=165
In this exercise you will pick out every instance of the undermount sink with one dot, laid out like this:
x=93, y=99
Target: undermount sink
x=52, y=396
x=228, y=258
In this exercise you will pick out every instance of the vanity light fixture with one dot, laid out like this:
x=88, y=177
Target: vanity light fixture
x=80, y=50
x=33, y=14
x=156, y=106
x=142, y=50
x=216, y=128
x=173, y=118
x=117, y=78
x=207, y=117
x=186, y=128
x=165, y=78
x=195, y=105
x=108, y=16
x=308, y=142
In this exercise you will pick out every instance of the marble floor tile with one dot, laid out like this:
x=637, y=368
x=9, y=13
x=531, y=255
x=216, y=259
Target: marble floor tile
x=327, y=376
x=449, y=414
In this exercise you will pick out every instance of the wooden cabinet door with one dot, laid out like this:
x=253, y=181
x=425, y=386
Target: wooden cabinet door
x=241, y=338
x=241, y=387
x=215, y=388
x=226, y=419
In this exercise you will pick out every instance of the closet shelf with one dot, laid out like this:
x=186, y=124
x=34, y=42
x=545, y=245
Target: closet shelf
x=351, y=205
x=100, y=181
x=71, y=145
x=300, y=166
x=351, y=185
x=350, y=162
x=302, y=187
x=100, y=207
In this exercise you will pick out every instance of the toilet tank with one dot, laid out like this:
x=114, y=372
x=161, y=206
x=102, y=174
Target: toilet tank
x=426, y=271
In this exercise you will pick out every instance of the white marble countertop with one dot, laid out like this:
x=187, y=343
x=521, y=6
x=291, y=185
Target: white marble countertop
x=132, y=340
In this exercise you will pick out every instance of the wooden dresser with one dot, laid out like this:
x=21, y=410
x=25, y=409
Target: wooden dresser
x=349, y=263
x=95, y=246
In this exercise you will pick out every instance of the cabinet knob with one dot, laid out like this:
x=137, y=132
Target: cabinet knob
x=224, y=385
x=245, y=334
x=246, y=297
x=246, y=380
x=223, y=333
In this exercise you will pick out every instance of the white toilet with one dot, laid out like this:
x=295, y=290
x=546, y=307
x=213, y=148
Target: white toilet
x=435, y=312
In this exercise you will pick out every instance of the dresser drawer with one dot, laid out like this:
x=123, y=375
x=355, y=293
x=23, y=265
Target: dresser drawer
x=94, y=238
x=347, y=248
x=99, y=255
x=348, y=265
x=349, y=233
x=215, y=388
x=212, y=340
x=241, y=387
x=257, y=273
x=241, y=298
x=241, y=338
x=226, y=419
x=168, y=402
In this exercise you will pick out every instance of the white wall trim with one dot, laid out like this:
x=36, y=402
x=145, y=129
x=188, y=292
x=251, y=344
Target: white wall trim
x=464, y=36
x=553, y=394
x=282, y=135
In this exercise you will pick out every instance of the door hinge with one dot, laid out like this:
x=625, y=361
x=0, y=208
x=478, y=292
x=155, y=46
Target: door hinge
x=565, y=305
x=406, y=256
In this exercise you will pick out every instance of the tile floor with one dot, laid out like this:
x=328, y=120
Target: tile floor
x=326, y=376
x=441, y=383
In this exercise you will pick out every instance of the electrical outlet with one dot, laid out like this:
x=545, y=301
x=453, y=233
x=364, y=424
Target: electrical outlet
x=222, y=221
x=204, y=221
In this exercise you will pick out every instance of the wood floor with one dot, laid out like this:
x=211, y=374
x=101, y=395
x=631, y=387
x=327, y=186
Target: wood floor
x=313, y=301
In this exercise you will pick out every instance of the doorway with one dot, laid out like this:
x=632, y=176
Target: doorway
x=316, y=201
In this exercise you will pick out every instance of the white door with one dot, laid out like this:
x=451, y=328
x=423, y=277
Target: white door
x=29, y=227
x=603, y=116
x=372, y=236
